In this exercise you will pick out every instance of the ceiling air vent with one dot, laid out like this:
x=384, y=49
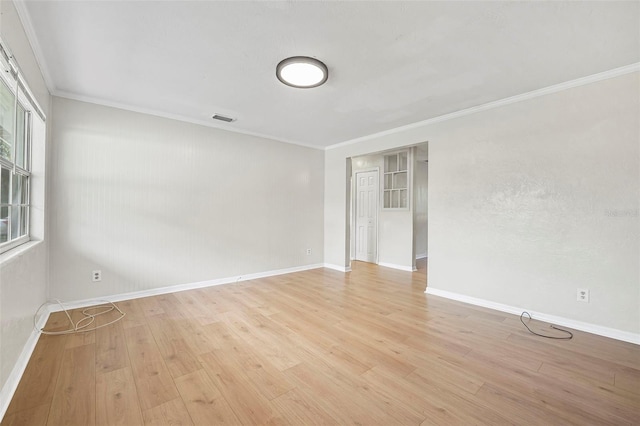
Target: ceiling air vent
x=223, y=118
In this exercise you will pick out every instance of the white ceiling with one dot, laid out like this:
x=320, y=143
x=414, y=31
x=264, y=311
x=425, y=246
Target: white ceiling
x=390, y=63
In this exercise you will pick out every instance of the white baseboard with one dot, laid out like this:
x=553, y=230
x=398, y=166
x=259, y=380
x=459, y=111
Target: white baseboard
x=10, y=386
x=181, y=287
x=337, y=267
x=566, y=322
x=421, y=256
x=400, y=267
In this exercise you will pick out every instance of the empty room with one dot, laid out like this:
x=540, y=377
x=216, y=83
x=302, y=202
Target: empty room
x=319, y=212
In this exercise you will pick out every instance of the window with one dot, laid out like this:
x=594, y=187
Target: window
x=15, y=162
x=396, y=173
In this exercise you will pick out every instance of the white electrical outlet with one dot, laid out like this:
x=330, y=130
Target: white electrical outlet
x=308, y=252
x=583, y=295
x=96, y=276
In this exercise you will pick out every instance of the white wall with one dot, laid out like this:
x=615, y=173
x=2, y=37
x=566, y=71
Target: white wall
x=22, y=291
x=153, y=202
x=420, y=196
x=528, y=201
x=23, y=271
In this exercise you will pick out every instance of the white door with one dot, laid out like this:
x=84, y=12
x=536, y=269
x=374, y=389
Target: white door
x=367, y=216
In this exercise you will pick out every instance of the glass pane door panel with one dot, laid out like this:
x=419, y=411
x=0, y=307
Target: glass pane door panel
x=396, y=180
x=402, y=161
x=388, y=179
x=403, y=198
x=390, y=163
x=395, y=199
x=400, y=180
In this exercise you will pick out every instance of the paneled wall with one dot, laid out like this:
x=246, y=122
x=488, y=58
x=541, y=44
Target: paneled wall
x=153, y=202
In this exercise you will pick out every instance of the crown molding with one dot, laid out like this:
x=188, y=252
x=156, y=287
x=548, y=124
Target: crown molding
x=25, y=19
x=627, y=69
x=177, y=117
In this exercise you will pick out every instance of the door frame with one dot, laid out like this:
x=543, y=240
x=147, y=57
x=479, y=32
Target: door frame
x=354, y=202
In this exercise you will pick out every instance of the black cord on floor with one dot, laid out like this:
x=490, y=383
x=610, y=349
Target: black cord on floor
x=569, y=337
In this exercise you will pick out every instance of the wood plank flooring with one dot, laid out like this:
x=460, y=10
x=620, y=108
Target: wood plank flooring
x=323, y=347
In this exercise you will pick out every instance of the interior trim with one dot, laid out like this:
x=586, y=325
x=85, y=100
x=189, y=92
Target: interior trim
x=12, y=382
x=399, y=267
x=613, y=333
x=616, y=72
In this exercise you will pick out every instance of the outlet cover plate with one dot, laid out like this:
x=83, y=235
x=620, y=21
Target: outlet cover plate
x=583, y=295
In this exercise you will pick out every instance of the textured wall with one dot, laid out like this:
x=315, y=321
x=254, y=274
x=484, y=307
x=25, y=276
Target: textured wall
x=542, y=200
x=529, y=201
x=154, y=202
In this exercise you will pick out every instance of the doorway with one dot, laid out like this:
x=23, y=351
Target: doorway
x=366, y=216
x=398, y=235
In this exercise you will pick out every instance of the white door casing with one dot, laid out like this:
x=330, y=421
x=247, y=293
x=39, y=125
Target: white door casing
x=366, y=208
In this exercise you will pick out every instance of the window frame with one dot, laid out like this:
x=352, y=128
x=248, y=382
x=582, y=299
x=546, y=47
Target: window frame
x=10, y=77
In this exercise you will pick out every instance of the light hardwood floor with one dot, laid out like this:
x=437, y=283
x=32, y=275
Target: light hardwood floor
x=323, y=347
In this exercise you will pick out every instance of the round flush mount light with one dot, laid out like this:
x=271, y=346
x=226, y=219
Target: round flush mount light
x=302, y=72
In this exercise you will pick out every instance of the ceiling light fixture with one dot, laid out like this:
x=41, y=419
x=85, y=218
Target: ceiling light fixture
x=302, y=72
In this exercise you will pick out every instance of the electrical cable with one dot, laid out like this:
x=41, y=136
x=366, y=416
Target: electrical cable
x=83, y=323
x=569, y=337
